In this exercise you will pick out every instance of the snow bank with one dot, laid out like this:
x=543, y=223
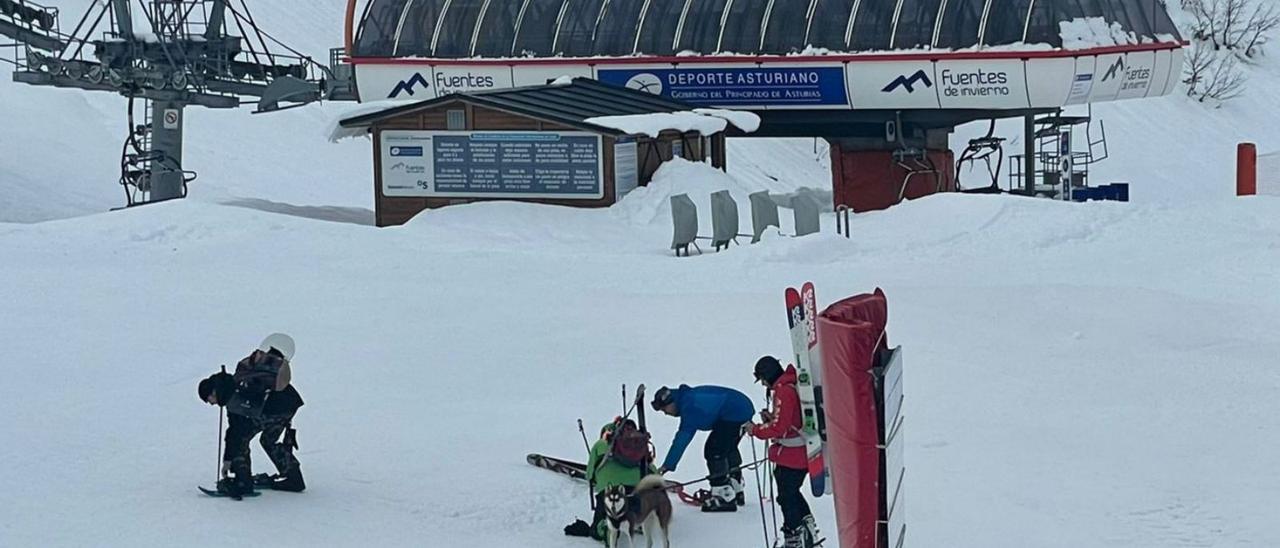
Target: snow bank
x=651, y=205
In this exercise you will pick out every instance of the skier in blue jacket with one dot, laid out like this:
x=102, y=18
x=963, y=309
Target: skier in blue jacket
x=722, y=412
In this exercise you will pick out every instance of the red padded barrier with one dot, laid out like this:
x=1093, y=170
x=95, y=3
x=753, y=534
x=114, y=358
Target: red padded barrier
x=849, y=332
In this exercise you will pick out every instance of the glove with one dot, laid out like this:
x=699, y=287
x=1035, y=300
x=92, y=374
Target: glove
x=746, y=428
x=766, y=416
x=226, y=468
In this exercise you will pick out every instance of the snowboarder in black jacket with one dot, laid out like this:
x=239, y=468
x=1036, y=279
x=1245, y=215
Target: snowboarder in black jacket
x=259, y=399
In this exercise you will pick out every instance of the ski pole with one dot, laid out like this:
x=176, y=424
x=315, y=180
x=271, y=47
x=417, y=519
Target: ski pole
x=769, y=471
x=624, y=395
x=583, y=431
x=764, y=526
x=591, y=488
x=750, y=465
x=222, y=412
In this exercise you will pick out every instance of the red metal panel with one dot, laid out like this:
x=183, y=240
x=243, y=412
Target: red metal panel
x=871, y=180
x=849, y=333
x=1246, y=169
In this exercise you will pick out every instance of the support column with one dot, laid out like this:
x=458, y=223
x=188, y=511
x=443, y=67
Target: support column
x=166, y=146
x=1029, y=164
x=124, y=18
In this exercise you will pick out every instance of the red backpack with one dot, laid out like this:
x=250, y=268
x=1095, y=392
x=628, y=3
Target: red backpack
x=629, y=446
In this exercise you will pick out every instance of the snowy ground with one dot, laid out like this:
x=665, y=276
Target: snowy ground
x=1078, y=375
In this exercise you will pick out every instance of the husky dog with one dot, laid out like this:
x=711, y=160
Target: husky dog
x=648, y=505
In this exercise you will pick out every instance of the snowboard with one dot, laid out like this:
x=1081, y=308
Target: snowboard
x=800, y=337
x=578, y=470
x=218, y=494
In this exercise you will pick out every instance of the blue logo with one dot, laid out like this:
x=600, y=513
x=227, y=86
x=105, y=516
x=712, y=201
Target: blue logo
x=406, y=86
x=909, y=82
x=397, y=152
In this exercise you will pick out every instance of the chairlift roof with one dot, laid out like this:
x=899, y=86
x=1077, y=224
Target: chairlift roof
x=461, y=29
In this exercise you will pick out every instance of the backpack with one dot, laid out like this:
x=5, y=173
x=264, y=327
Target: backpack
x=630, y=446
x=258, y=374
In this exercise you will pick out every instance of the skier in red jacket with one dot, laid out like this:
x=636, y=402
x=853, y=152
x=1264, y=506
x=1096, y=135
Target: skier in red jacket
x=782, y=427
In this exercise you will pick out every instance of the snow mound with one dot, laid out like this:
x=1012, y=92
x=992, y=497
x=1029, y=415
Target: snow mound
x=651, y=205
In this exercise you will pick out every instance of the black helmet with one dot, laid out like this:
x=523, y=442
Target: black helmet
x=662, y=398
x=221, y=384
x=768, y=370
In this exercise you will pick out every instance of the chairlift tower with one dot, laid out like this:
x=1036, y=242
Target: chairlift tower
x=170, y=54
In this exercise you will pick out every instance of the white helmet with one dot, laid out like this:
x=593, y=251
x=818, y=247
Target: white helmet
x=278, y=341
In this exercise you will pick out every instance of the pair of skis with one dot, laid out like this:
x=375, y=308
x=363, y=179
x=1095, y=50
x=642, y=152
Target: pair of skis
x=802, y=315
x=578, y=471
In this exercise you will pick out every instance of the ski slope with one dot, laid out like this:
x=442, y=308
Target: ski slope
x=1078, y=374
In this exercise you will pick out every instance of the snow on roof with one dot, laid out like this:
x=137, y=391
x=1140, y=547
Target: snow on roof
x=334, y=130
x=1094, y=32
x=704, y=121
x=745, y=121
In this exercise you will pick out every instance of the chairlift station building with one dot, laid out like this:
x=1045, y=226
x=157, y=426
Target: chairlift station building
x=567, y=143
x=884, y=81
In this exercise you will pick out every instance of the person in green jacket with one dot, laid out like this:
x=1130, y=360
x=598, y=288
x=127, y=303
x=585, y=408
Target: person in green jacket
x=603, y=473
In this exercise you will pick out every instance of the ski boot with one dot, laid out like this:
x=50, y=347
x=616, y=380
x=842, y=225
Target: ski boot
x=739, y=492
x=290, y=481
x=236, y=487
x=792, y=538
x=721, y=500
x=809, y=533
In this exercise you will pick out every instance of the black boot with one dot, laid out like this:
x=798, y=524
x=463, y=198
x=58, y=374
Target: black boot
x=578, y=528
x=721, y=500
x=236, y=487
x=291, y=481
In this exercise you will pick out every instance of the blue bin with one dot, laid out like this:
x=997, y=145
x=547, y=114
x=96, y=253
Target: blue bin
x=1085, y=194
x=1120, y=192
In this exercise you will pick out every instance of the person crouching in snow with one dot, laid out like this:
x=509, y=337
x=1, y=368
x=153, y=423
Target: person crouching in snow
x=782, y=427
x=722, y=412
x=620, y=457
x=259, y=398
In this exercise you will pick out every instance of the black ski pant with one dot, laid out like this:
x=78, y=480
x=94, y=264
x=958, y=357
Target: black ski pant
x=278, y=445
x=724, y=461
x=794, y=507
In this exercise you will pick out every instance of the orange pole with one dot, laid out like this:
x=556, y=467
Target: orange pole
x=350, y=26
x=1246, y=169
